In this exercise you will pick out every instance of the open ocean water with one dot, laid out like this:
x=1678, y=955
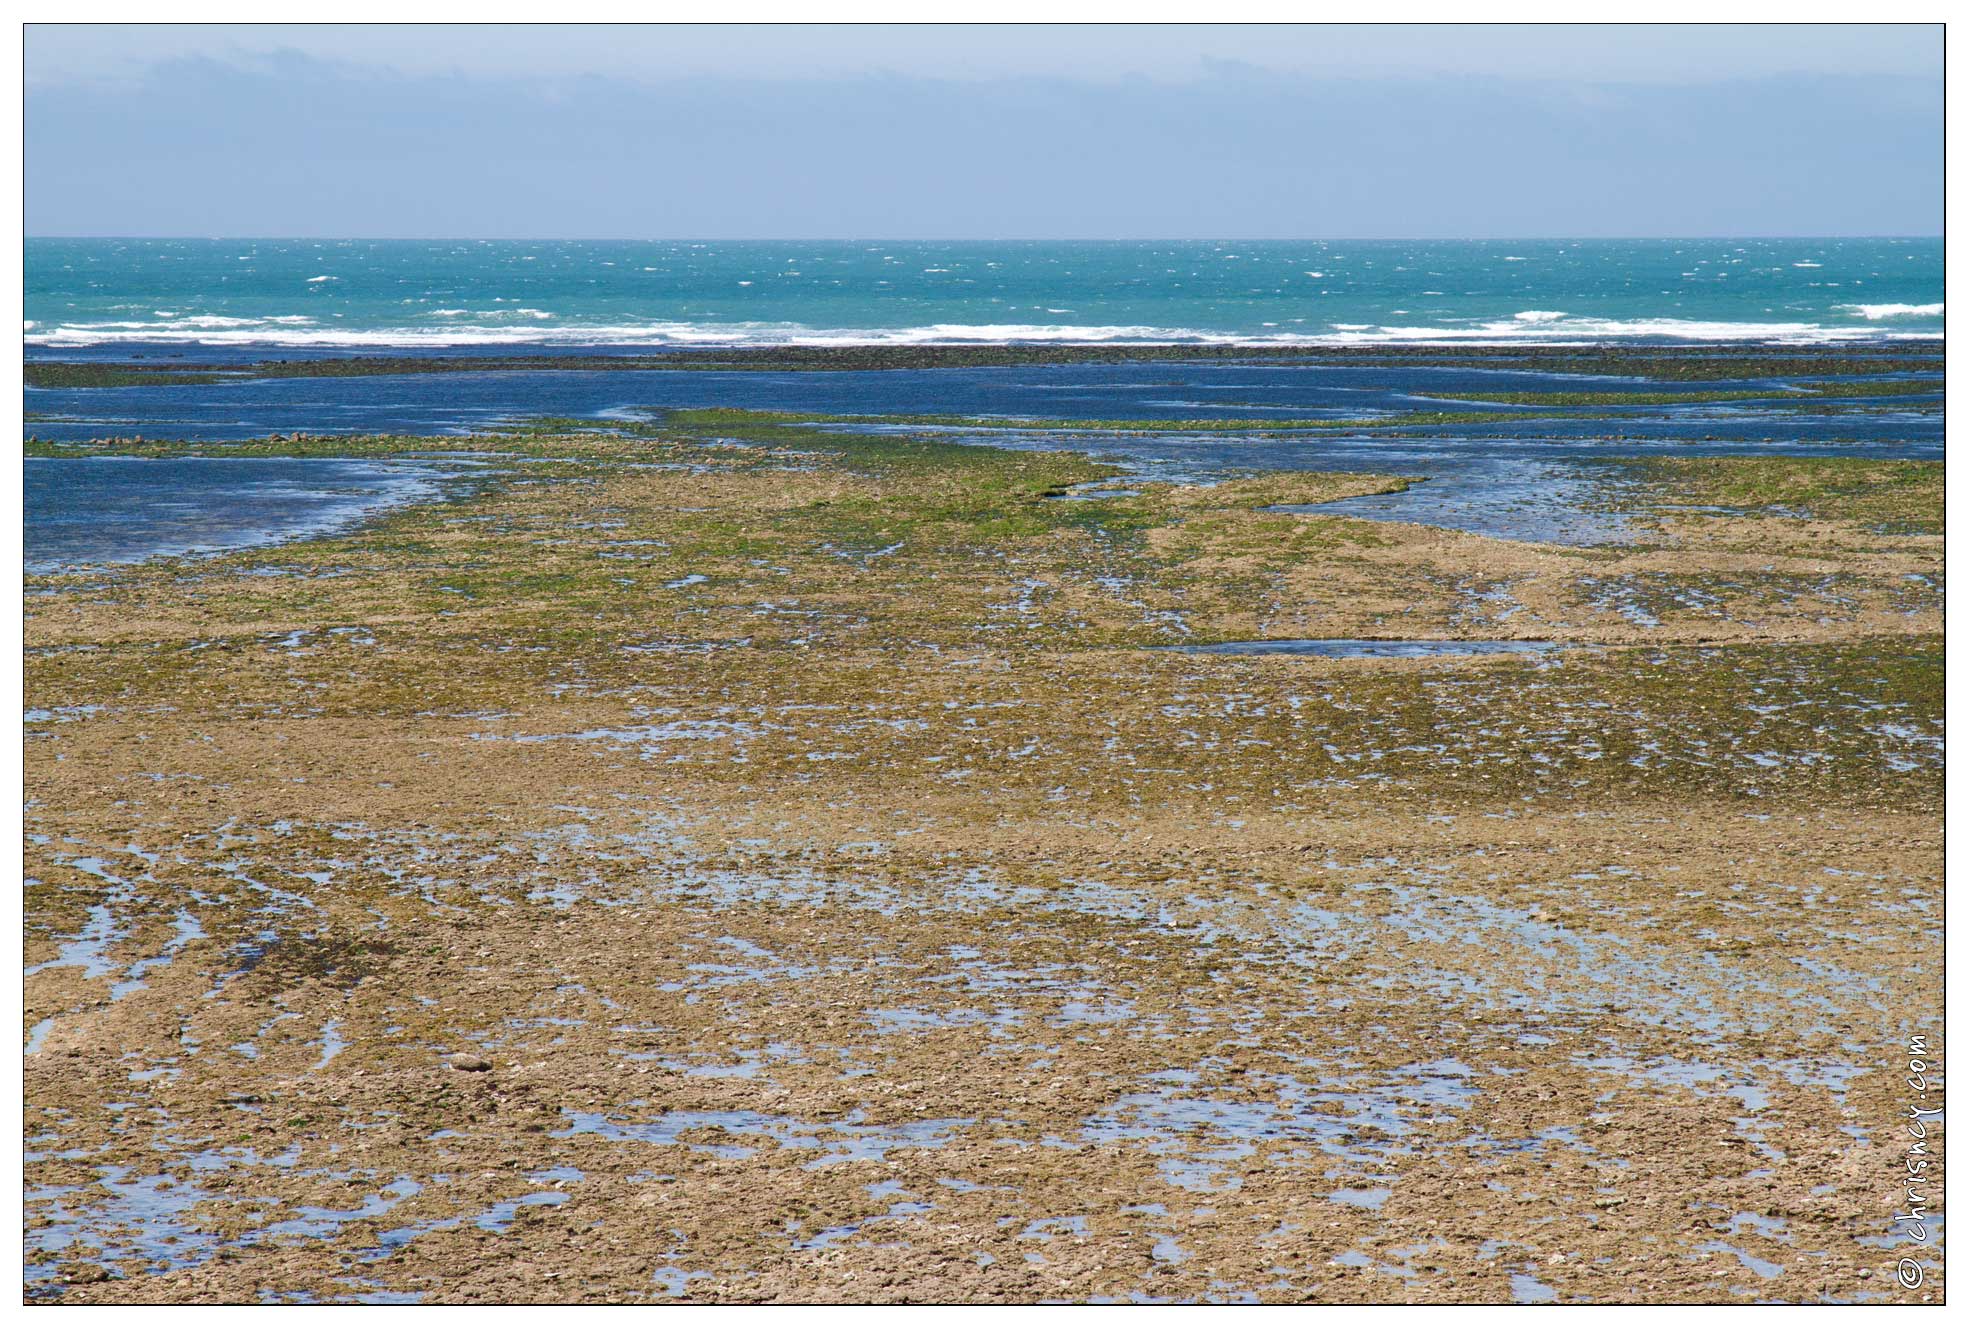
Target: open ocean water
x=485, y=292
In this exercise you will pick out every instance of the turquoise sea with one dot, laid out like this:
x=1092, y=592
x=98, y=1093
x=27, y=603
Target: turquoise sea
x=472, y=292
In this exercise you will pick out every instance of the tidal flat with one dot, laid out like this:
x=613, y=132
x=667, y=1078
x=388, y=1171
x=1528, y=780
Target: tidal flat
x=736, y=857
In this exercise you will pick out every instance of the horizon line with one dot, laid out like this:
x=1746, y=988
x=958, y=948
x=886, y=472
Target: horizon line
x=975, y=239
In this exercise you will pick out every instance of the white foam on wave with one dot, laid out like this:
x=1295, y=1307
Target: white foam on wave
x=192, y=327
x=1877, y=312
x=218, y=331
x=523, y=326
x=1566, y=329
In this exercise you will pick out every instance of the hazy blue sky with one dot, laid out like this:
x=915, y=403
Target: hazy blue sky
x=983, y=132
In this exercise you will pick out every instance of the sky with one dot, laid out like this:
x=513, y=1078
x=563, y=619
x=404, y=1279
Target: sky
x=712, y=132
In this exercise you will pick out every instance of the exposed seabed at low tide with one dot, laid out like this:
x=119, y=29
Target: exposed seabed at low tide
x=741, y=861
x=1353, y=648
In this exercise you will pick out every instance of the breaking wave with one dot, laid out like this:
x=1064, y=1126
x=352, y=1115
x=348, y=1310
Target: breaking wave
x=1877, y=312
x=529, y=326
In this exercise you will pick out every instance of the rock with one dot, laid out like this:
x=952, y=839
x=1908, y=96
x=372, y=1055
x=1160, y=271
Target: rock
x=75, y=1274
x=469, y=1061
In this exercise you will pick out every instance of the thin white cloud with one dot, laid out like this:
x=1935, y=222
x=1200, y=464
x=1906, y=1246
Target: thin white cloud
x=66, y=53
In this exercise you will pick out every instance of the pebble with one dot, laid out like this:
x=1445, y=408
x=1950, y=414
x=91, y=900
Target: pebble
x=469, y=1061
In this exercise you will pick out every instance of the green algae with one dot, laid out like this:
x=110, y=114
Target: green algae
x=1906, y=496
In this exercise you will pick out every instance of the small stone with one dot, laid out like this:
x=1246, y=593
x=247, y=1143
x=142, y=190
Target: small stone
x=469, y=1061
